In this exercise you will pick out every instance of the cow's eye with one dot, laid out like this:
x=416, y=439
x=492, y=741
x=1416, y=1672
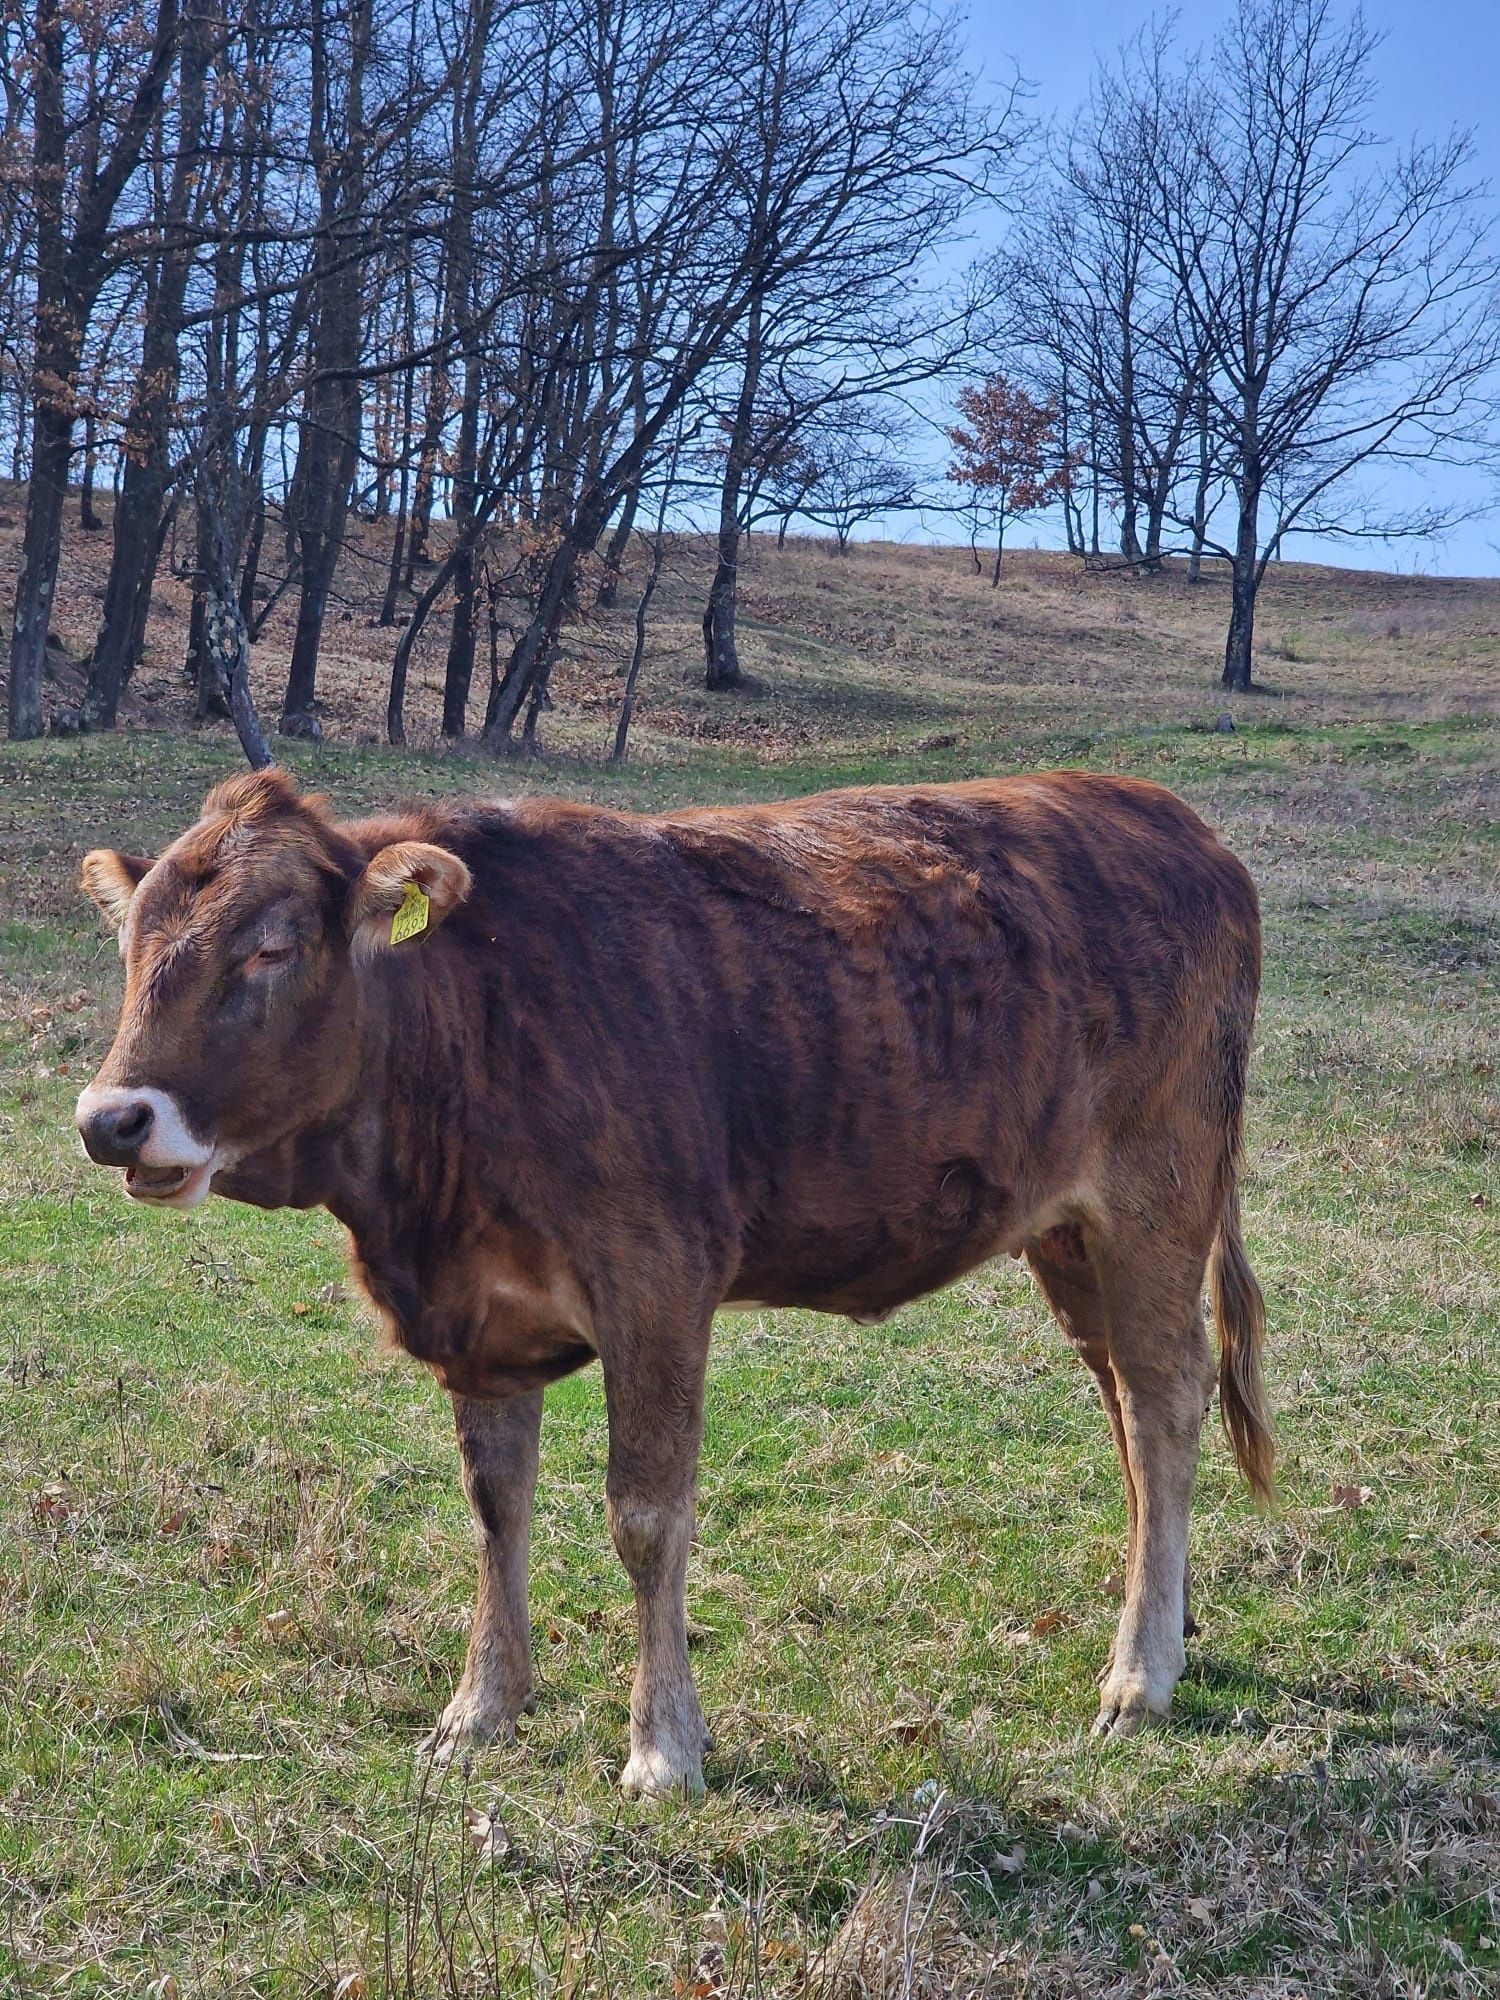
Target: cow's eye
x=268, y=957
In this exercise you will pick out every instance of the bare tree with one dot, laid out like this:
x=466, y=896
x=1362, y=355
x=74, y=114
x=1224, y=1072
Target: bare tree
x=147, y=439
x=864, y=149
x=96, y=90
x=1343, y=295
x=328, y=453
x=1094, y=316
x=852, y=462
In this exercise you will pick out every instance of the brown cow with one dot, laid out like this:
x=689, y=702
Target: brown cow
x=573, y=1079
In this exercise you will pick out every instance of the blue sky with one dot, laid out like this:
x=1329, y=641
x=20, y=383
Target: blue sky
x=1438, y=67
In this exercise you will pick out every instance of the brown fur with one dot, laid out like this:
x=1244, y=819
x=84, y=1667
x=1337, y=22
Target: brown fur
x=831, y=1053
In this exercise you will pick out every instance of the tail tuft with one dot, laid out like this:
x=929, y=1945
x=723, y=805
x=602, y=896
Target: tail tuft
x=1240, y=1317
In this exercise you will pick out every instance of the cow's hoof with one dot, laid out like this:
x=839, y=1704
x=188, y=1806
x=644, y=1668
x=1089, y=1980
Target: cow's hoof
x=463, y=1730
x=1126, y=1712
x=663, y=1772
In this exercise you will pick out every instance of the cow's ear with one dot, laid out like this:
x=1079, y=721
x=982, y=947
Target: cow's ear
x=112, y=879
x=405, y=891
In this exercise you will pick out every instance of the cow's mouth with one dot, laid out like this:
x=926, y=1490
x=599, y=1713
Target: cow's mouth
x=169, y=1187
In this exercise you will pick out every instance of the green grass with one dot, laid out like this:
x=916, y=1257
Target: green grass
x=236, y=1567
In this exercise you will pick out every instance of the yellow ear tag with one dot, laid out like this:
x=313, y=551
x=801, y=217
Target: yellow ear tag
x=411, y=919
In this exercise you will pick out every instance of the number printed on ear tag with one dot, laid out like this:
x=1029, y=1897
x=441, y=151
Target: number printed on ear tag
x=411, y=919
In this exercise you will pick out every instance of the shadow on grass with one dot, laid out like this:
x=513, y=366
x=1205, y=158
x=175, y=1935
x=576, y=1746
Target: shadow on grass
x=1347, y=1709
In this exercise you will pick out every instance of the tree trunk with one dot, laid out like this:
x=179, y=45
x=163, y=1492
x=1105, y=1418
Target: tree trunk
x=420, y=525
x=638, y=652
x=226, y=641
x=328, y=450
x=138, y=510
x=55, y=359
x=138, y=514
x=254, y=541
x=1200, y=491
x=619, y=545
x=211, y=700
x=1130, y=542
x=530, y=659
x=395, y=708
x=721, y=656
x=51, y=439
x=88, y=519
x=458, y=671
x=143, y=595
x=318, y=556
x=69, y=274
x=408, y=389
x=18, y=439
x=1237, y=647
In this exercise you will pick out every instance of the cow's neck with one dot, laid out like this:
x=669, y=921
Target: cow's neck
x=393, y=1174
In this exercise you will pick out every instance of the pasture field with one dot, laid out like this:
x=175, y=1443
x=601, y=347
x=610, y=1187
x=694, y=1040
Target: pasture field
x=235, y=1563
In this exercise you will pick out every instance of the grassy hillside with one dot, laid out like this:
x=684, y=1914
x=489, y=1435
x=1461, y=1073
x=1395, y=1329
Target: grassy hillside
x=235, y=1565
x=886, y=647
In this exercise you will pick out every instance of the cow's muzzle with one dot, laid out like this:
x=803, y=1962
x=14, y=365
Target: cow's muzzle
x=143, y=1131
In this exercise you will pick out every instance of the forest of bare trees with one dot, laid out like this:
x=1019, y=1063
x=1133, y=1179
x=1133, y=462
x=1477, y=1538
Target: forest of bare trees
x=485, y=274
x=520, y=281
x=1246, y=309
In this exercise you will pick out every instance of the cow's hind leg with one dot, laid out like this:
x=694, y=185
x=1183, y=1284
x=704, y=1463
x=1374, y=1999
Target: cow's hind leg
x=655, y=1427
x=1163, y=1372
x=1063, y=1268
x=498, y=1451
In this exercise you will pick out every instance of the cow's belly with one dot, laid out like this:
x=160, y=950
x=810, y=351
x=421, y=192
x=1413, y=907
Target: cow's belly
x=862, y=1256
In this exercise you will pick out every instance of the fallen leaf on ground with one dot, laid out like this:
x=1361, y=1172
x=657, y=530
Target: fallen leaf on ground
x=55, y=1505
x=486, y=1833
x=917, y=1729
x=1351, y=1497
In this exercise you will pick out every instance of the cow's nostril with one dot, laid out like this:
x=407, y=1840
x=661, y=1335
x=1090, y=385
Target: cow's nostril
x=134, y=1122
x=115, y=1134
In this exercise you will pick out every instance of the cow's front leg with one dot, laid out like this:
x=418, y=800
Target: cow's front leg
x=655, y=1427
x=498, y=1450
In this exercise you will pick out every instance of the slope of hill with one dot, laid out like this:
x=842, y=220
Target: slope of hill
x=886, y=646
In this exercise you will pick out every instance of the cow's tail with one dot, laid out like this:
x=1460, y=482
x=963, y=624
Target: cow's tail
x=1240, y=1316
x=1238, y=1305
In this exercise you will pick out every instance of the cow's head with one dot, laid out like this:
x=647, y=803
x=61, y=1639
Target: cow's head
x=244, y=947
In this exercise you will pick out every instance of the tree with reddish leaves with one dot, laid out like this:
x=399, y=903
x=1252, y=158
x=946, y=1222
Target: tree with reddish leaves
x=1009, y=458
